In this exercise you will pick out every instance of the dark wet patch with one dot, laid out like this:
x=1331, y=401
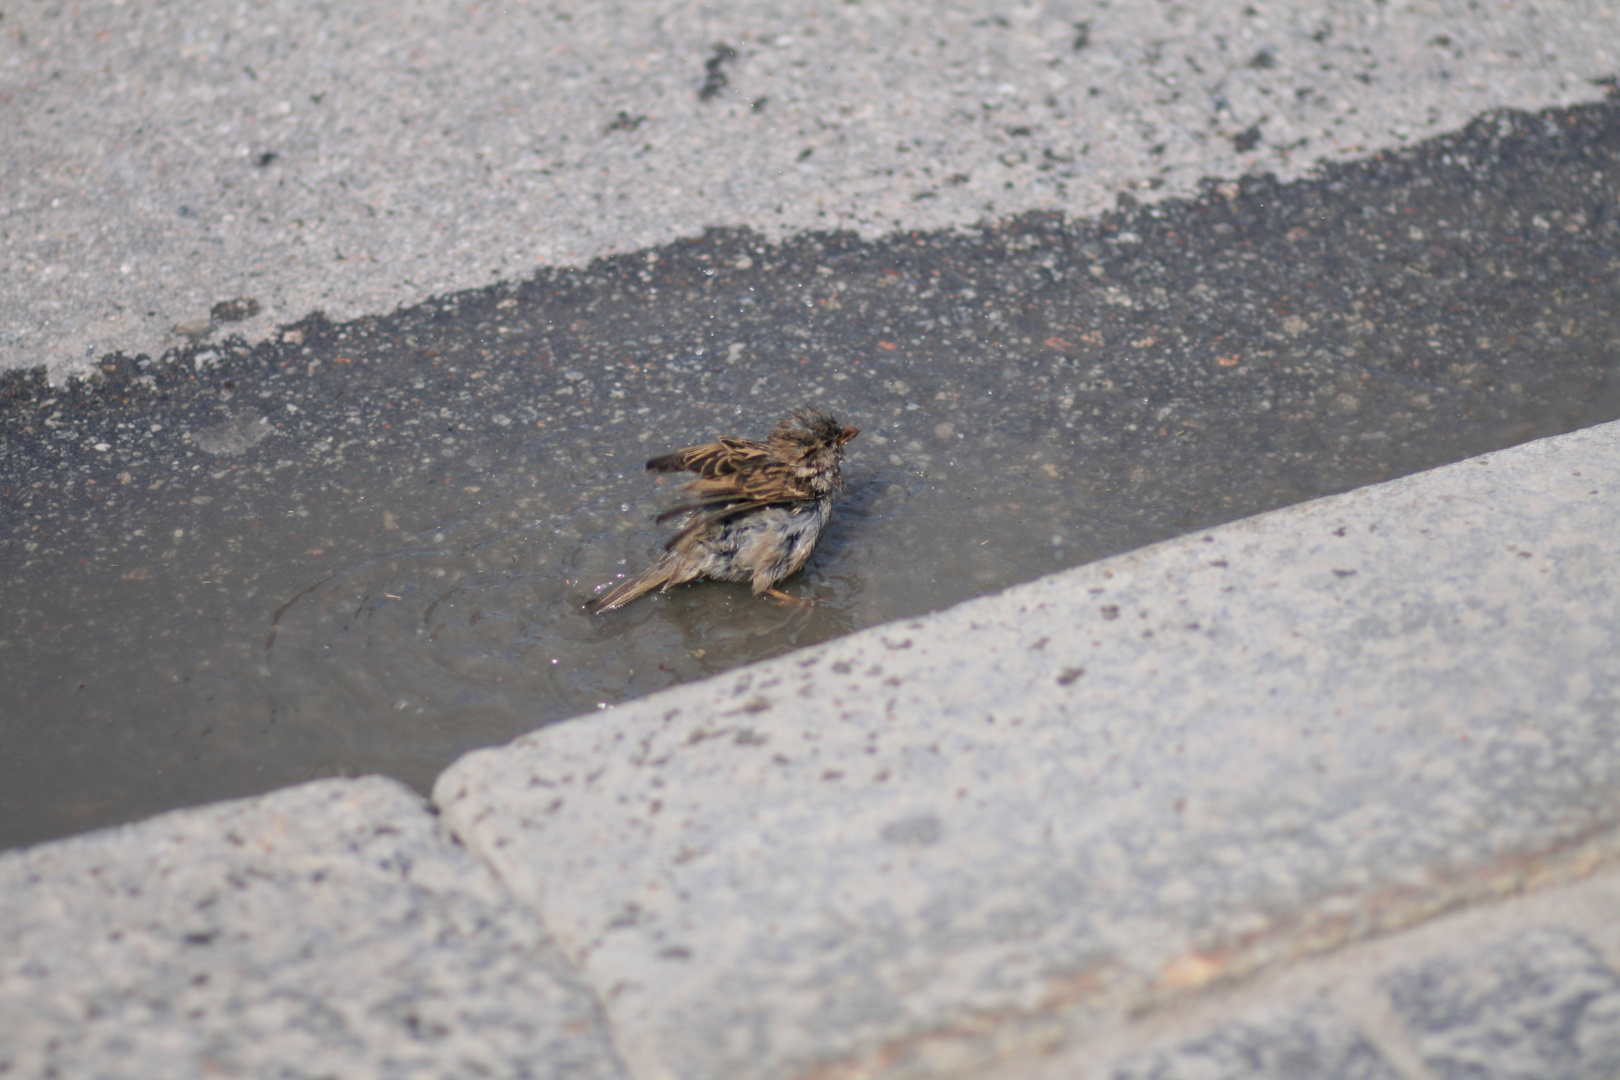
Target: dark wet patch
x=363, y=547
x=229, y=311
x=714, y=74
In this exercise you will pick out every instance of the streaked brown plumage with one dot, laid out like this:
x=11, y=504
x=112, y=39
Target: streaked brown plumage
x=755, y=511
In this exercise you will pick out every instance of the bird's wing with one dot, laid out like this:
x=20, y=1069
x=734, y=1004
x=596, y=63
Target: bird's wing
x=732, y=474
x=735, y=477
x=724, y=458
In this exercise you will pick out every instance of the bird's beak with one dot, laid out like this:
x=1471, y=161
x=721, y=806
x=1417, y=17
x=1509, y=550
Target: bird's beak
x=847, y=434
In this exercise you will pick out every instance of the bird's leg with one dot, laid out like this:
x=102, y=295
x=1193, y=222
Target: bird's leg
x=782, y=597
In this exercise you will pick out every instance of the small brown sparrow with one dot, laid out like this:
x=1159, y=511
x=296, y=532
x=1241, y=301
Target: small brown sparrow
x=755, y=511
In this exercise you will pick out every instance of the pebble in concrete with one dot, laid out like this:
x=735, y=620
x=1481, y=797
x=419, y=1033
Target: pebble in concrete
x=325, y=930
x=1541, y=1006
x=930, y=846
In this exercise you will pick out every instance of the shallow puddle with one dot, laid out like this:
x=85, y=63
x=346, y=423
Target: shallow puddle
x=364, y=548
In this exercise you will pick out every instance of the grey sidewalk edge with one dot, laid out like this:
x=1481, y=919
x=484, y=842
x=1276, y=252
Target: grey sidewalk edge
x=935, y=845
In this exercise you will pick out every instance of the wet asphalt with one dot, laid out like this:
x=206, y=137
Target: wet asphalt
x=363, y=547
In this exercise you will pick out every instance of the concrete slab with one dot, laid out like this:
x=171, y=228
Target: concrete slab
x=325, y=930
x=1521, y=988
x=192, y=171
x=1540, y=1004
x=938, y=846
x=1302, y=1042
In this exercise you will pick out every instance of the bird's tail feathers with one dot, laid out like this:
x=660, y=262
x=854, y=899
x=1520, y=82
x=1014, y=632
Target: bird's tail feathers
x=660, y=575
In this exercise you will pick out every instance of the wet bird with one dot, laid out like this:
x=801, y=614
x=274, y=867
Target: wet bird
x=753, y=514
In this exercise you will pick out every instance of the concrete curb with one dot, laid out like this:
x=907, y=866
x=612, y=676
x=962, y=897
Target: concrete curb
x=1001, y=829
x=330, y=929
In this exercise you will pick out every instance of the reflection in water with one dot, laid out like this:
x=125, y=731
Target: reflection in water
x=366, y=549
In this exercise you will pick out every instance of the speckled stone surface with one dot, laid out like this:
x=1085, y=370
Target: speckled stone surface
x=1522, y=987
x=933, y=844
x=1302, y=1044
x=325, y=930
x=195, y=170
x=1543, y=1005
